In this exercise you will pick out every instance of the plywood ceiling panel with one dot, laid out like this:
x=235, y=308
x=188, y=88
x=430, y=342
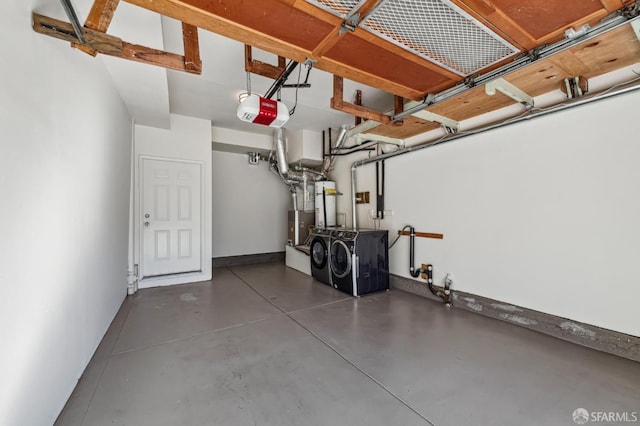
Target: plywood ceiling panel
x=298, y=29
x=616, y=49
x=605, y=53
x=359, y=53
x=542, y=17
x=281, y=21
x=608, y=52
x=471, y=104
x=412, y=126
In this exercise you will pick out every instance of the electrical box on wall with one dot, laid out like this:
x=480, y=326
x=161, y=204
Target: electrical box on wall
x=362, y=197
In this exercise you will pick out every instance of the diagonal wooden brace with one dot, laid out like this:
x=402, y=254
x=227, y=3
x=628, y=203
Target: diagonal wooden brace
x=110, y=45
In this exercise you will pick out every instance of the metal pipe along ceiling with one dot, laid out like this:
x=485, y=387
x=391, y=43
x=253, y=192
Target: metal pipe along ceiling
x=281, y=153
x=456, y=136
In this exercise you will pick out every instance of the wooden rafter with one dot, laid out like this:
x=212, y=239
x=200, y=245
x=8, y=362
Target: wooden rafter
x=261, y=68
x=337, y=102
x=398, y=107
x=110, y=45
x=321, y=51
x=192, y=62
x=99, y=19
x=358, y=101
x=219, y=17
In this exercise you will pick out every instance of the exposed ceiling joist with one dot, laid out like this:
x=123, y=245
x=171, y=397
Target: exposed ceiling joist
x=291, y=31
x=371, y=52
x=192, y=62
x=337, y=102
x=261, y=68
x=112, y=46
x=99, y=19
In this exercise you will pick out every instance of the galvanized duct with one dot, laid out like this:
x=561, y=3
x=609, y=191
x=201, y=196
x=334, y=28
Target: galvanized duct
x=300, y=177
x=281, y=151
x=329, y=163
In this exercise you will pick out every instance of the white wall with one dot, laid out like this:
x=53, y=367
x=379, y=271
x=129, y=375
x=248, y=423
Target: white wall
x=65, y=138
x=186, y=139
x=250, y=207
x=541, y=214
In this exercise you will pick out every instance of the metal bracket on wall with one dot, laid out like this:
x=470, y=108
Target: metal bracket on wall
x=350, y=23
x=73, y=18
x=502, y=85
x=432, y=116
x=360, y=138
x=635, y=24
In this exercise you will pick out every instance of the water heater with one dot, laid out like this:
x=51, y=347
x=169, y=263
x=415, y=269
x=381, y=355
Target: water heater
x=325, y=204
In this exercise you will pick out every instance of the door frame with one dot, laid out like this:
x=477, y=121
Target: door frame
x=178, y=278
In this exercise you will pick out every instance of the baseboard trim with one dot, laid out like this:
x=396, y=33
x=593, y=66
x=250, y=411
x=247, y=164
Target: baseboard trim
x=601, y=339
x=248, y=259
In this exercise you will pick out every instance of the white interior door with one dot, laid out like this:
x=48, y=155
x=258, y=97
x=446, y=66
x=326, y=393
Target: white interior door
x=171, y=222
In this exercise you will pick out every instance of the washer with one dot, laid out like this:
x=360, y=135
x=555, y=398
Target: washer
x=319, y=254
x=359, y=261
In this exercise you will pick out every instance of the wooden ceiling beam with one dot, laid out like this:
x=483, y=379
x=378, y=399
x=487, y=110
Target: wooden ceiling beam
x=99, y=19
x=338, y=103
x=613, y=5
x=96, y=40
x=192, y=61
x=185, y=11
x=261, y=68
x=148, y=55
x=101, y=15
x=334, y=37
x=398, y=107
x=109, y=45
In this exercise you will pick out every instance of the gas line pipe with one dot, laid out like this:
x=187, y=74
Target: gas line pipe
x=444, y=294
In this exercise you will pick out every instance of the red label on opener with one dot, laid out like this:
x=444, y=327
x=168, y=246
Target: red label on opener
x=268, y=111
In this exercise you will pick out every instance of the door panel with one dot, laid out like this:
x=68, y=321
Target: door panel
x=170, y=223
x=340, y=259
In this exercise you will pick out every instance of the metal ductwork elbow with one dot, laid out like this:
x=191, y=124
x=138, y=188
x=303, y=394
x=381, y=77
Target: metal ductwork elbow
x=281, y=151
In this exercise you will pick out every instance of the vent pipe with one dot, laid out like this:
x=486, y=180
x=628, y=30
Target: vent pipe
x=281, y=152
x=342, y=137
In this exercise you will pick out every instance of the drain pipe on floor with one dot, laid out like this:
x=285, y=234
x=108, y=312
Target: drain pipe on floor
x=426, y=272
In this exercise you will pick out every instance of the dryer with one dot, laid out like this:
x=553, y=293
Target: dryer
x=359, y=261
x=319, y=254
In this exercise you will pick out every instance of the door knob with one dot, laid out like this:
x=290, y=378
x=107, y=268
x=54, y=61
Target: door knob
x=146, y=224
x=147, y=216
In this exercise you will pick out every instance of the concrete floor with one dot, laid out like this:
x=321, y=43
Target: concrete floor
x=267, y=345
